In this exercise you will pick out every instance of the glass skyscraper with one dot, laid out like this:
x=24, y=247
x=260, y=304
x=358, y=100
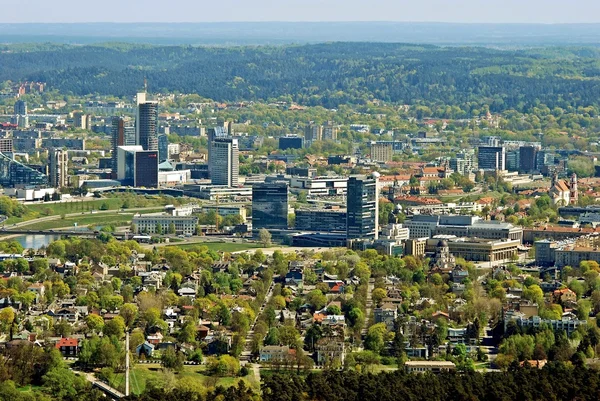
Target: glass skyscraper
x=270, y=206
x=147, y=123
x=363, y=207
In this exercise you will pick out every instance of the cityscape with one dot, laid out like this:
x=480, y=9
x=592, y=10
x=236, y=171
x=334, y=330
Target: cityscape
x=314, y=221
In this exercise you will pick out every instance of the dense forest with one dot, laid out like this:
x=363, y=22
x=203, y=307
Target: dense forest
x=557, y=382
x=328, y=74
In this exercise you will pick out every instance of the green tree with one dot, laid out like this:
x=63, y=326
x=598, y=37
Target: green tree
x=264, y=237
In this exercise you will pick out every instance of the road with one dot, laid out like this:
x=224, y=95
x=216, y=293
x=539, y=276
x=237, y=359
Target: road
x=57, y=217
x=368, y=306
x=247, y=352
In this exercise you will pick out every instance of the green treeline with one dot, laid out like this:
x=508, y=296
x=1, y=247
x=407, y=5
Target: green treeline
x=323, y=74
x=557, y=382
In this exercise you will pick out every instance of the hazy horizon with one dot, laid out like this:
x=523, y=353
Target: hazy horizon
x=189, y=11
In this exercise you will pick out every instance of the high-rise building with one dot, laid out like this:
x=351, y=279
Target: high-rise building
x=528, y=159
x=224, y=162
x=513, y=160
x=146, y=125
x=270, y=206
x=81, y=120
x=491, y=158
x=122, y=134
x=212, y=134
x=329, y=131
x=312, y=133
x=163, y=147
x=363, y=207
x=146, y=169
x=58, y=160
x=381, y=152
x=464, y=162
x=137, y=167
x=20, y=108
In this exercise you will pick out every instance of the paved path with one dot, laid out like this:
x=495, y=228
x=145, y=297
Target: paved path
x=111, y=392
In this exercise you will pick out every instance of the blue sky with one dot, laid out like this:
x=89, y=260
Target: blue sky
x=534, y=11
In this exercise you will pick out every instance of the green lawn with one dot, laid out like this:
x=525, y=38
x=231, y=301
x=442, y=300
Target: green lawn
x=141, y=374
x=222, y=246
x=57, y=209
x=100, y=219
x=38, y=210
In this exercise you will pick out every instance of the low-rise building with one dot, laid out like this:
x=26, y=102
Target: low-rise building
x=429, y=366
x=149, y=223
x=321, y=220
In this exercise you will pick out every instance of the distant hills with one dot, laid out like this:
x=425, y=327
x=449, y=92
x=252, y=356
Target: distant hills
x=327, y=74
x=277, y=33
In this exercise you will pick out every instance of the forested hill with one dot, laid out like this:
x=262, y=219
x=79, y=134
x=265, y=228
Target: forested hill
x=321, y=74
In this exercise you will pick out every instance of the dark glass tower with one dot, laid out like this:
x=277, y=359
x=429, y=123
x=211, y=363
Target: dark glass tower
x=270, y=206
x=363, y=207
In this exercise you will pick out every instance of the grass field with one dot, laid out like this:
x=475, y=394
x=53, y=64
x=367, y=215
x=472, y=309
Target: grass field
x=141, y=374
x=222, y=246
x=38, y=210
x=101, y=219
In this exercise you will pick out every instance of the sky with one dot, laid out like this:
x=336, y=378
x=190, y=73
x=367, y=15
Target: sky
x=469, y=11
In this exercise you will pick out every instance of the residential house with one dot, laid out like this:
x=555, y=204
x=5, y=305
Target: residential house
x=564, y=296
x=294, y=278
x=329, y=352
x=155, y=338
x=386, y=313
x=67, y=346
x=145, y=349
x=276, y=353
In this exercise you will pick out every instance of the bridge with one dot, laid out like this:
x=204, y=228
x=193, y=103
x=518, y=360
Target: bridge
x=110, y=392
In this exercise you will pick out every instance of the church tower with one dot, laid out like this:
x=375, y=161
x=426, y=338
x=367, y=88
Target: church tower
x=574, y=193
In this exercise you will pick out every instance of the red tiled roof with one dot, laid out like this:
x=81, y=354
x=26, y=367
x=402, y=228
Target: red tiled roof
x=66, y=342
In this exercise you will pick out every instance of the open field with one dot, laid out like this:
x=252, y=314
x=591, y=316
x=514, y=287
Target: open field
x=142, y=374
x=222, y=246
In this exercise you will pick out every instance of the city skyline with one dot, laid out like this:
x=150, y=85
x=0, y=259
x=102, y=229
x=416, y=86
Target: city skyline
x=460, y=11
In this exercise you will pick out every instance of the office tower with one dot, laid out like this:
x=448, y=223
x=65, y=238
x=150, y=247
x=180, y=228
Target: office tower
x=329, y=131
x=146, y=169
x=163, y=147
x=513, y=160
x=122, y=134
x=58, y=160
x=126, y=163
x=224, y=162
x=20, y=108
x=491, y=158
x=146, y=125
x=291, y=142
x=528, y=159
x=363, y=207
x=137, y=167
x=312, y=133
x=270, y=206
x=381, y=152
x=214, y=133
